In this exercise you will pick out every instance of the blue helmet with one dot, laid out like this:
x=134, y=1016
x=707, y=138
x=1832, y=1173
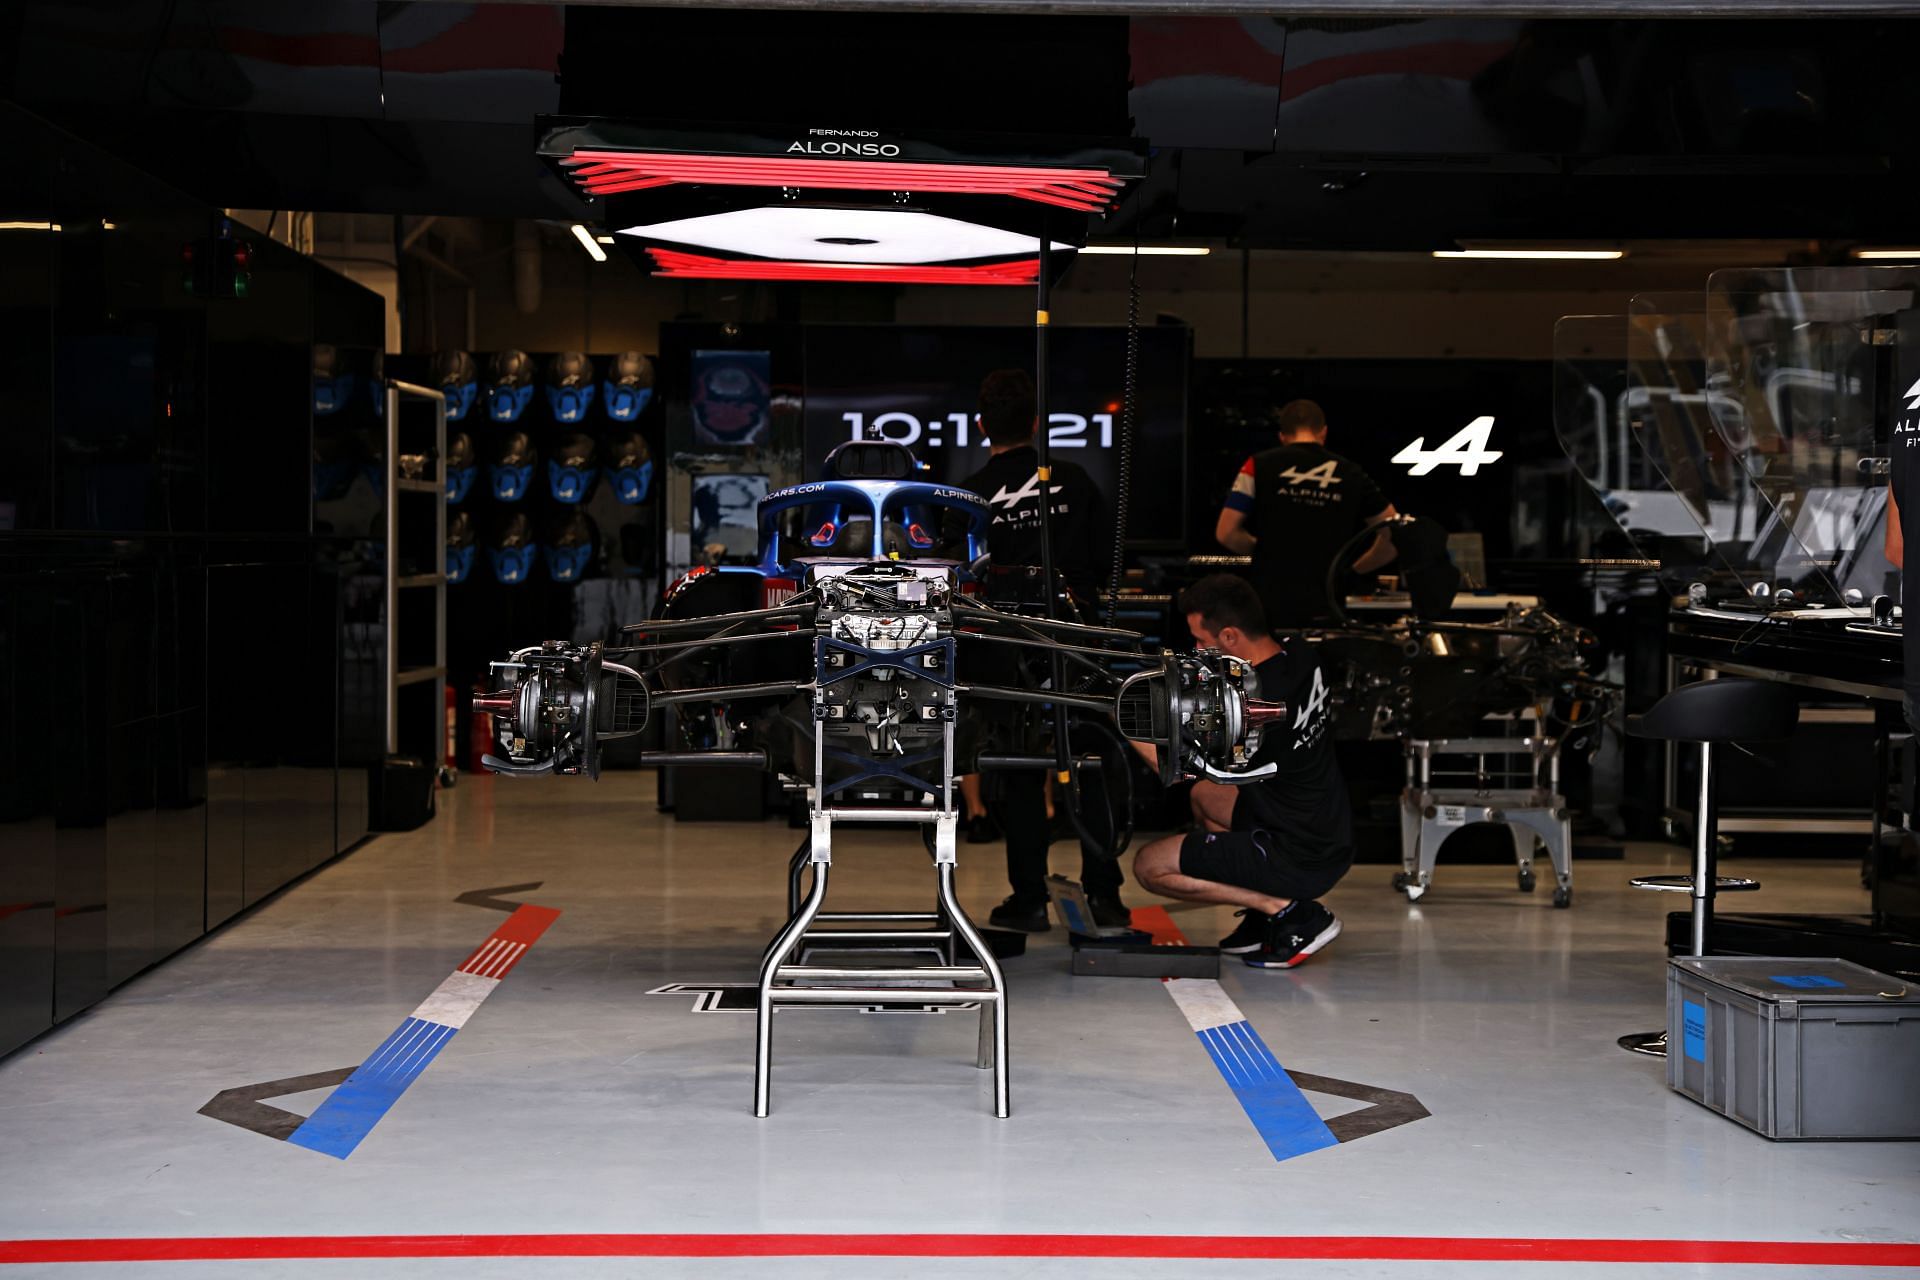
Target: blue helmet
x=629, y=467
x=570, y=471
x=459, y=547
x=456, y=378
x=512, y=551
x=462, y=466
x=570, y=548
x=332, y=384
x=509, y=385
x=569, y=386
x=629, y=386
x=511, y=472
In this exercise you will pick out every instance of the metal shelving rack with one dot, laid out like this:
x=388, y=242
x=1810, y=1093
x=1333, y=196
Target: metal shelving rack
x=397, y=487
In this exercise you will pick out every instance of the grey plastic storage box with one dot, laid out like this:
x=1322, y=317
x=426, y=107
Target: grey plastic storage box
x=1796, y=1049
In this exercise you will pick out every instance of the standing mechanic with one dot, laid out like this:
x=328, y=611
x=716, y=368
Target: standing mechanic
x=1271, y=848
x=1293, y=509
x=1010, y=482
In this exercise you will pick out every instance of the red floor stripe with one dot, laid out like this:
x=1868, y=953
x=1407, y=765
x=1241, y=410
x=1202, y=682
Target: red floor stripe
x=1370, y=1248
x=1157, y=922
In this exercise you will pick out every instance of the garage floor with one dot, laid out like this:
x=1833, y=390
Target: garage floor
x=576, y=1104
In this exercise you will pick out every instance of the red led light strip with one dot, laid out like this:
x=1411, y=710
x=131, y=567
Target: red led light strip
x=606, y=173
x=672, y=264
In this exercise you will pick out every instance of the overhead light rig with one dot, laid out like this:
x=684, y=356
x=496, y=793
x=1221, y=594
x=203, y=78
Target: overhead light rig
x=873, y=206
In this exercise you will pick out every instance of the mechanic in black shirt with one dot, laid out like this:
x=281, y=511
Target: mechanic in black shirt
x=1293, y=508
x=1011, y=484
x=1271, y=848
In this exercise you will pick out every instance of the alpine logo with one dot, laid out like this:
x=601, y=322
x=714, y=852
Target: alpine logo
x=1031, y=489
x=1914, y=391
x=871, y=149
x=1316, y=703
x=1323, y=475
x=1465, y=448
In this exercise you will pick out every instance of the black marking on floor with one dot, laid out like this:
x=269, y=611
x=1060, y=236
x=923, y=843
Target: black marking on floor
x=1390, y=1108
x=246, y=1107
x=485, y=898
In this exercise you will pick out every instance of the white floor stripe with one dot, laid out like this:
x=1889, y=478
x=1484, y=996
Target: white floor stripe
x=424, y=1050
x=1204, y=1002
x=378, y=1064
x=454, y=1000
x=482, y=956
x=502, y=962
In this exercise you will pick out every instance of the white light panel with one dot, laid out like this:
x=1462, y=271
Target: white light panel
x=809, y=233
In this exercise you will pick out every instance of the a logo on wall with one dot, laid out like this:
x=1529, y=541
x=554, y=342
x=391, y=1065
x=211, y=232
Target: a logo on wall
x=1914, y=391
x=1466, y=449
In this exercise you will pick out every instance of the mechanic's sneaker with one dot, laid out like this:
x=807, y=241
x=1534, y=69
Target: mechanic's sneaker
x=1021, y=915
x=1109, y=912
x=1247, y=935
x=1293, y=935
x=982, y=829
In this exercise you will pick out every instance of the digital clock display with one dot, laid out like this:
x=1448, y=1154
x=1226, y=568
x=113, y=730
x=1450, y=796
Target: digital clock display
x=919, y=387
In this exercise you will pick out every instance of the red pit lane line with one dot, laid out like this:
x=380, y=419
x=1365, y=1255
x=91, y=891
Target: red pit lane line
x=1369, y=1248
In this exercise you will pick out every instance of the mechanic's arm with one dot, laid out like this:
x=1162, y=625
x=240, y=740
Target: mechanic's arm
x=1211, y=802
x=1896, y=536
x=1382, y=551
x=1231, y=532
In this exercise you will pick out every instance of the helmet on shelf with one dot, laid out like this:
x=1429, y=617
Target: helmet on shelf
x=509, y=385
x=629, y=386
x=570, y=386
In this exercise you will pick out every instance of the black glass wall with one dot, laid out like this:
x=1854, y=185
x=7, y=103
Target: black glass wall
x=172, y=646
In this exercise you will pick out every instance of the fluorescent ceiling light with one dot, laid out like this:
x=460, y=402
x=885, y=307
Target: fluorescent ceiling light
x=811, y=233
x=603, y=240
x=1555, y=255
x=587, y=242
x=29, y=226
x=1150, y=250
x=1879, y=255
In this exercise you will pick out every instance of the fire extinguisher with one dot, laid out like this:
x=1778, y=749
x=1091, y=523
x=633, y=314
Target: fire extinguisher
x=479, y=737
x=450, y=763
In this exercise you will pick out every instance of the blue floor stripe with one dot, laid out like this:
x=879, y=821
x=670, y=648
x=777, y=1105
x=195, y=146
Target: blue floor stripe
x=1286, y=1121
x=348, y=1115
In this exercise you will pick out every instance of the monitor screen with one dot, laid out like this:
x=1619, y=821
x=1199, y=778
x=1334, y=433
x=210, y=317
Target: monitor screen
x=919, y=386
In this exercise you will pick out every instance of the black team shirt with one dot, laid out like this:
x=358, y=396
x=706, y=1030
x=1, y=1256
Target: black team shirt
x=1905, y=446
x=1303, y=502
x=1305, y=803
x=1010, y=482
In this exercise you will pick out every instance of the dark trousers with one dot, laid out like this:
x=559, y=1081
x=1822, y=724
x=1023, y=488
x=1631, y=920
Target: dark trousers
x=1020, y=807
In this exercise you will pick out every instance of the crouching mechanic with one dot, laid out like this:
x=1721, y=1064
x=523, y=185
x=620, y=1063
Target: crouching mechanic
x=1273, y=847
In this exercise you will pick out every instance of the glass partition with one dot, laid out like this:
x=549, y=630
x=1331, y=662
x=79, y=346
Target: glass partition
x=1803, y=363
x=1606, y=407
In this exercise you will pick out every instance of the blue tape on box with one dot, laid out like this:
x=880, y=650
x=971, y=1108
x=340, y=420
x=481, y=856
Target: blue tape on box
x=1806, y=981
x=1693, y=1027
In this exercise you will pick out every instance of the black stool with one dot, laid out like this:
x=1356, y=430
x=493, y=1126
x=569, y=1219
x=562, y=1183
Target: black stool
x=1708, y=713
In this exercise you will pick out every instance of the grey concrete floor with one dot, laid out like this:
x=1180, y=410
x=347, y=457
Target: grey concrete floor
x=574, y=1102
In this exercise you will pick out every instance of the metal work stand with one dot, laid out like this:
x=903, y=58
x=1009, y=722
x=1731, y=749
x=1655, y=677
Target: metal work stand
x=1521, y=795
x=788, y=977
x=435, y=580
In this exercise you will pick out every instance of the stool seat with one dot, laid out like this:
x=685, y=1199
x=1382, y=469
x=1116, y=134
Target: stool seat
x=1727, y=710
x=1684, y=884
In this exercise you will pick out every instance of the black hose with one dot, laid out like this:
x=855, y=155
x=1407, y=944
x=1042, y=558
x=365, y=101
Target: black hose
x=1121, y=833
x=1123, y=489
